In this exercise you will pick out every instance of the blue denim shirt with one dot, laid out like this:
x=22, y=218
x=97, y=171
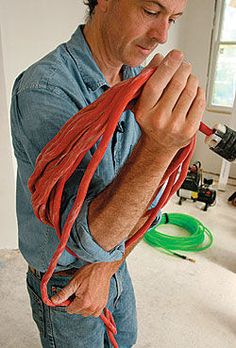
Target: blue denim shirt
x=44, y=97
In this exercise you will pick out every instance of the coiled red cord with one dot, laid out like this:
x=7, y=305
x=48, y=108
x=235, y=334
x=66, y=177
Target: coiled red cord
x=63, y=154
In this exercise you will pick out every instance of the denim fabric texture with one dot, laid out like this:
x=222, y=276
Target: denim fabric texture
x=44, y=97
x=58, y=329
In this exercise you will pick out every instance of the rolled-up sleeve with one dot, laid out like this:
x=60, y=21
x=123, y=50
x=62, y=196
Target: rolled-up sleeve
x=81, y=240
x=86, y=246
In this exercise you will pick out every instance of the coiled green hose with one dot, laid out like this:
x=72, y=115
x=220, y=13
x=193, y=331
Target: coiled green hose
x=194, y=242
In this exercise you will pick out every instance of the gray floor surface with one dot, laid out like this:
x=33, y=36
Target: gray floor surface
x=180, y=304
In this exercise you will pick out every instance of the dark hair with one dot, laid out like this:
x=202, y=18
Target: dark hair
x=91, y=4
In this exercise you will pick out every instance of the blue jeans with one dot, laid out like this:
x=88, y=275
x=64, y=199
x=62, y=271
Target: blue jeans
x=58, y=329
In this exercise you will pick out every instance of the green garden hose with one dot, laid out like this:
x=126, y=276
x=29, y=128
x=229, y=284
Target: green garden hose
x=195, y=242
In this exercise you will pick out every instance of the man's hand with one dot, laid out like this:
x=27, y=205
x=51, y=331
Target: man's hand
x=90, y=286
x=171, y=105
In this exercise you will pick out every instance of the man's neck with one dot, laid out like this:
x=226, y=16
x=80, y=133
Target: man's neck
x=111, y=69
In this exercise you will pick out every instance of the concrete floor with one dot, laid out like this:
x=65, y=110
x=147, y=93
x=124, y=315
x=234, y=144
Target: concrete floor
x=180, y=304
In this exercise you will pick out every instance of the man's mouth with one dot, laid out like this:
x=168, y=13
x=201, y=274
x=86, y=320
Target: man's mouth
x=146, y=50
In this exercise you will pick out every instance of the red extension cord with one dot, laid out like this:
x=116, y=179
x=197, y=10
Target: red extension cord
x=62, y=155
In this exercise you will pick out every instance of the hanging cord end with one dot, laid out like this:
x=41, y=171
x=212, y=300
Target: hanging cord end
x=223, y=142
x=184, y=257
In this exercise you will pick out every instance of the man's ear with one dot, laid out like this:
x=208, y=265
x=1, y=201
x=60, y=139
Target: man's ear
x=103, y=5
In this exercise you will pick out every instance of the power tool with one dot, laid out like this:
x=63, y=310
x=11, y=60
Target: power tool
x=196, y=188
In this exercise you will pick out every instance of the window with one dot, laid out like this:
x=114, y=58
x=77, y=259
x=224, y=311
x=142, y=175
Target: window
x=222, y=74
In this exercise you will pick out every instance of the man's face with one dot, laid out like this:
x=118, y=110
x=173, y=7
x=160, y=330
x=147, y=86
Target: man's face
x=132, y=29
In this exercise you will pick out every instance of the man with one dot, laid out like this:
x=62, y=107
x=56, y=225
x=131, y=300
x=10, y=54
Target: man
x=117, y=38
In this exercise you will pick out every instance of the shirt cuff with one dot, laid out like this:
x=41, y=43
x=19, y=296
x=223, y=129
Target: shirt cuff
x=83, y=244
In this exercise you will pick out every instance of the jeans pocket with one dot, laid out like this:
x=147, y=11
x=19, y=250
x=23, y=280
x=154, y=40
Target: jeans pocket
x=119, y=287
x=37, y=310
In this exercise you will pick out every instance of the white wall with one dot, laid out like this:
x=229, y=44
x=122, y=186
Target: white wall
x=29, y=29
x=7, y=188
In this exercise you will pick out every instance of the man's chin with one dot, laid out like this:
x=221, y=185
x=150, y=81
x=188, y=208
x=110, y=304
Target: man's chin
x=138, y=64
x=135, y=62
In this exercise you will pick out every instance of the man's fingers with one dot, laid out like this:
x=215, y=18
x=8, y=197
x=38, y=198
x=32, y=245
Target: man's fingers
x=98, y=312
x=156, y=60
x=160, y=79
x=84, y=307
x=175, y=87
x=197, y=109
x=187, y=97
x=79, y=306
x=64, y=294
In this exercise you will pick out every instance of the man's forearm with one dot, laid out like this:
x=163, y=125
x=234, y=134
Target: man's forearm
x=112, y=267
x=114, y=213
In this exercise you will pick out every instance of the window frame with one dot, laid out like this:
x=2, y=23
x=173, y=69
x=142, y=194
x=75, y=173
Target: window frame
x=215, y=44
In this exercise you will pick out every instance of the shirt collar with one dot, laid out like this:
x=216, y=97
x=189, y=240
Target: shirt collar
x=89, y=70
x=80, y=51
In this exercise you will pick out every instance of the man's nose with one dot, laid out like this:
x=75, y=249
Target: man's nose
x=159, y=31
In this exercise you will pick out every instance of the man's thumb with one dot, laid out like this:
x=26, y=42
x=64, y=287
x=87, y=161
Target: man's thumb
x=63, y=294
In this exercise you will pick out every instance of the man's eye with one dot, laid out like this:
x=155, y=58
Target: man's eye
x=151, y=13
x=172, y=21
